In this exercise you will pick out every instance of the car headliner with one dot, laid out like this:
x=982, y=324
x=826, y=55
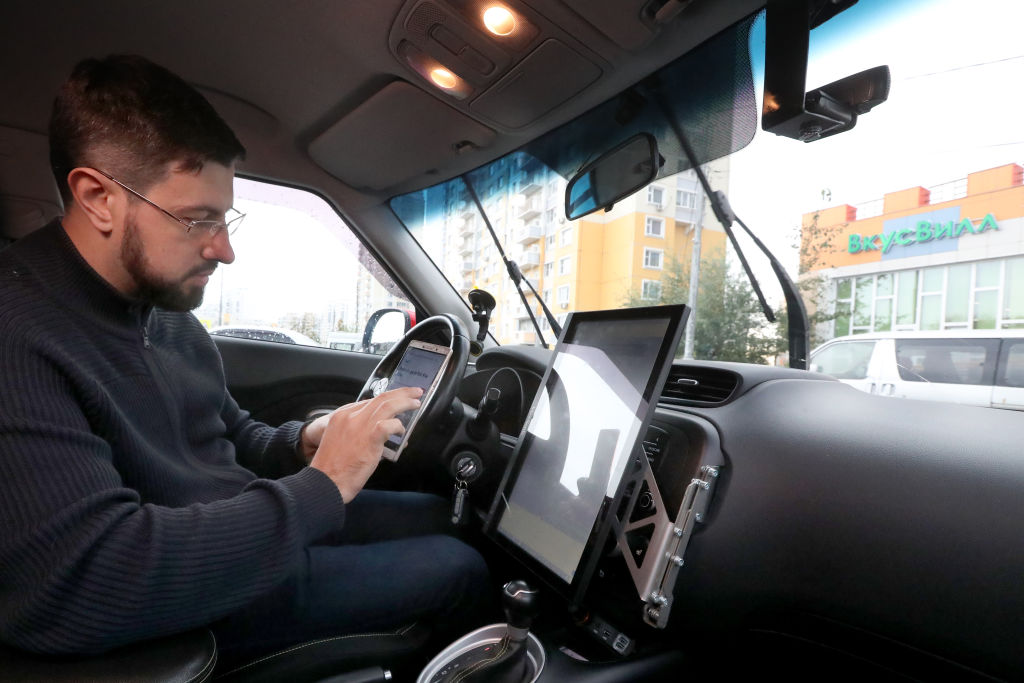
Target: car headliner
x=282, y=75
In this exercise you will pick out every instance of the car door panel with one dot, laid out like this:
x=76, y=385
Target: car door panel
x=281, y=382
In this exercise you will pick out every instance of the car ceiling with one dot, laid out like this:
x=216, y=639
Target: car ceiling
x=317, y=90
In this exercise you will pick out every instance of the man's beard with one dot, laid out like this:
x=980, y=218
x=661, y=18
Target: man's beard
x=150, y=287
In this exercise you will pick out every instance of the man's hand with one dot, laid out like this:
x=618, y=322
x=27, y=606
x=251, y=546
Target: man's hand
x=349, y=442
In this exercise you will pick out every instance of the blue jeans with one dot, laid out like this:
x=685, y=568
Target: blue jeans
x=392, y=564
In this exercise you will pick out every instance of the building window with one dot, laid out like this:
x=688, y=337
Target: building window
x=656, y=195
x=686, y=199
x=547, y=295
x=566, y=237
x=984, y=295
x=549, y=216
x=906, y=300
x=844, y=306
x=883, y=302
x=565, y=265
x=1013, y=292
x=652, y=258
x=932, y=285
x=550, y=240
x=549, y=266
x=654, y=226
x=563, y=295
x=650, y=290
x=863, y=300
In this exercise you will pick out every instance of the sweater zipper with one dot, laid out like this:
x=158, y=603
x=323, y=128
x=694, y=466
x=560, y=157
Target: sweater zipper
x=160, y=378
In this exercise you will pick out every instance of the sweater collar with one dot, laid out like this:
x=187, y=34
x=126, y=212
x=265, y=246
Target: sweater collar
x=62, y=270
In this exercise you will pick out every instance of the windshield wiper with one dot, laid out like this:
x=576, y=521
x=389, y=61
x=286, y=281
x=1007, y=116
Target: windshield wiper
x=513, y=271
x=798, y=323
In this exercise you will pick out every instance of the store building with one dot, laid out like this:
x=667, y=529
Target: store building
x=950, y=257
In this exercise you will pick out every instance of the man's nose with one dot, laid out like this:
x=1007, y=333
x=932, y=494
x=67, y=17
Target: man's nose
x=218, y=248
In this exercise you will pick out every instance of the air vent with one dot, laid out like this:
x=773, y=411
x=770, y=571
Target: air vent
x=688, y=385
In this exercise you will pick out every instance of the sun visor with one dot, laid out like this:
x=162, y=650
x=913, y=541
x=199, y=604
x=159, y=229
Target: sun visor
x=422, y=134
x=709, y=91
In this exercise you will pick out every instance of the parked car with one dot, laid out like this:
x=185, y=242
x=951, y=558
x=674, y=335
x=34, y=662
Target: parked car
x=970, y=367
x=272, y=334
x=790, y=526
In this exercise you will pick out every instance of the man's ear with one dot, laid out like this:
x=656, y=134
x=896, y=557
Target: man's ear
x=94, y=197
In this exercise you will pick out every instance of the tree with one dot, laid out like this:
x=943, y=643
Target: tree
x=729, y=322
x=813, y=290
x=305, y=323
x=814, y=242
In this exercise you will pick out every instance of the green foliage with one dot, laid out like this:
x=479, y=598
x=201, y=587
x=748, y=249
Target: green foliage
x=813, y=290
x=306, y=323
x=729, y=323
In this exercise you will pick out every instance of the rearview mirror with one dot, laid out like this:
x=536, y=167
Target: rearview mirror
x=614, y=175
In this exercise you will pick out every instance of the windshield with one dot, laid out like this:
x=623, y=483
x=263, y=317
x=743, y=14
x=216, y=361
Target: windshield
x=911, y=221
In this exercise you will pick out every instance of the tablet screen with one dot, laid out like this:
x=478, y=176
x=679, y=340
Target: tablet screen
x=584, y=424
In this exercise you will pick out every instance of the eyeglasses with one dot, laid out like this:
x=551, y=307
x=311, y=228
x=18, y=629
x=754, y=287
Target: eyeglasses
x=230, y=223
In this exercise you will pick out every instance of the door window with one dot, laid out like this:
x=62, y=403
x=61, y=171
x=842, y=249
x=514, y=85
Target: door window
x=948, y=361
x=1011, y=371
x=300, y=275
x=845, y=360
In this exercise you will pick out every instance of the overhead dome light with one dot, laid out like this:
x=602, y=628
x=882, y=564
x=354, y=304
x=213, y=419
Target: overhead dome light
x=443, y=78
x=499, y=20
x=434, y=72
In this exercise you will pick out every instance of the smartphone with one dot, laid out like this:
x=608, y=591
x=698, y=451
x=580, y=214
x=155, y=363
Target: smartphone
x=421, y=366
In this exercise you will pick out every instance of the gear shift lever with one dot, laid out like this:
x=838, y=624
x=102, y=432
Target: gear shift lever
x=510, y=664
x=520, y=604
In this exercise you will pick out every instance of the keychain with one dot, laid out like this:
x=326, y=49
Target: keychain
x=459, y=503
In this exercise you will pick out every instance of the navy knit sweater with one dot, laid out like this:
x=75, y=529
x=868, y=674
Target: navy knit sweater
x=129, y=507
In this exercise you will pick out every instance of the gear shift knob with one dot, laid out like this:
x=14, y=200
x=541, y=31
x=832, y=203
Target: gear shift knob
x=520, y=603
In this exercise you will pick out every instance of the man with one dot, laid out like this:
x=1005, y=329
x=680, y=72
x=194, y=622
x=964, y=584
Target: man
x=129, y=495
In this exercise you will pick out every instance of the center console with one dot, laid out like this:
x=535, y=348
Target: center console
x=588, y=486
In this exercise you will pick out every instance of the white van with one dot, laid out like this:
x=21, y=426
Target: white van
x=973, y=367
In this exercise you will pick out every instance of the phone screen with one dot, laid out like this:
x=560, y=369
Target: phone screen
x=418, y=368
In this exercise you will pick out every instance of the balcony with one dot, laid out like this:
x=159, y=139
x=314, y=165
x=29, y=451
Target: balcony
x=468, y=267
x=531, y=184
x=529, y=259
x=466, y=247
x=532, y=209
x=529, y=233
x=468, y=226
x=524, y=337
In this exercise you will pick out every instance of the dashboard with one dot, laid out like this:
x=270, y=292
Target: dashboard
x=833, y=536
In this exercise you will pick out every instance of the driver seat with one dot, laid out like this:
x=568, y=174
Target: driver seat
x=192, y=658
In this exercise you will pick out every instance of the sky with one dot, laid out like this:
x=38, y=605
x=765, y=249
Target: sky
x=955, y=106
x=288, y=255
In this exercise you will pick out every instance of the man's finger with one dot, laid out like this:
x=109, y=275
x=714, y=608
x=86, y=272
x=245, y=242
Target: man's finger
x=389, y=427
x=398, y=401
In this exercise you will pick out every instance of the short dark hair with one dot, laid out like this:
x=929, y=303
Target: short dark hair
x=131, y=117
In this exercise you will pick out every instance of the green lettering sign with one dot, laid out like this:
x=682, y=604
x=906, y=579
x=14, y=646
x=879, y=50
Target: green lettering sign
x=924, y=231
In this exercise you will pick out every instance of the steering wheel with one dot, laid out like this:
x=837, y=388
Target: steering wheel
x=446, y=330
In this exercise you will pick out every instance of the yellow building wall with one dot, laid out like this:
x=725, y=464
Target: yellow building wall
x=607, y=260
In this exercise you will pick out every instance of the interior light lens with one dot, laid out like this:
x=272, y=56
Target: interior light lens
x=499, y=20
x=443, y=78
